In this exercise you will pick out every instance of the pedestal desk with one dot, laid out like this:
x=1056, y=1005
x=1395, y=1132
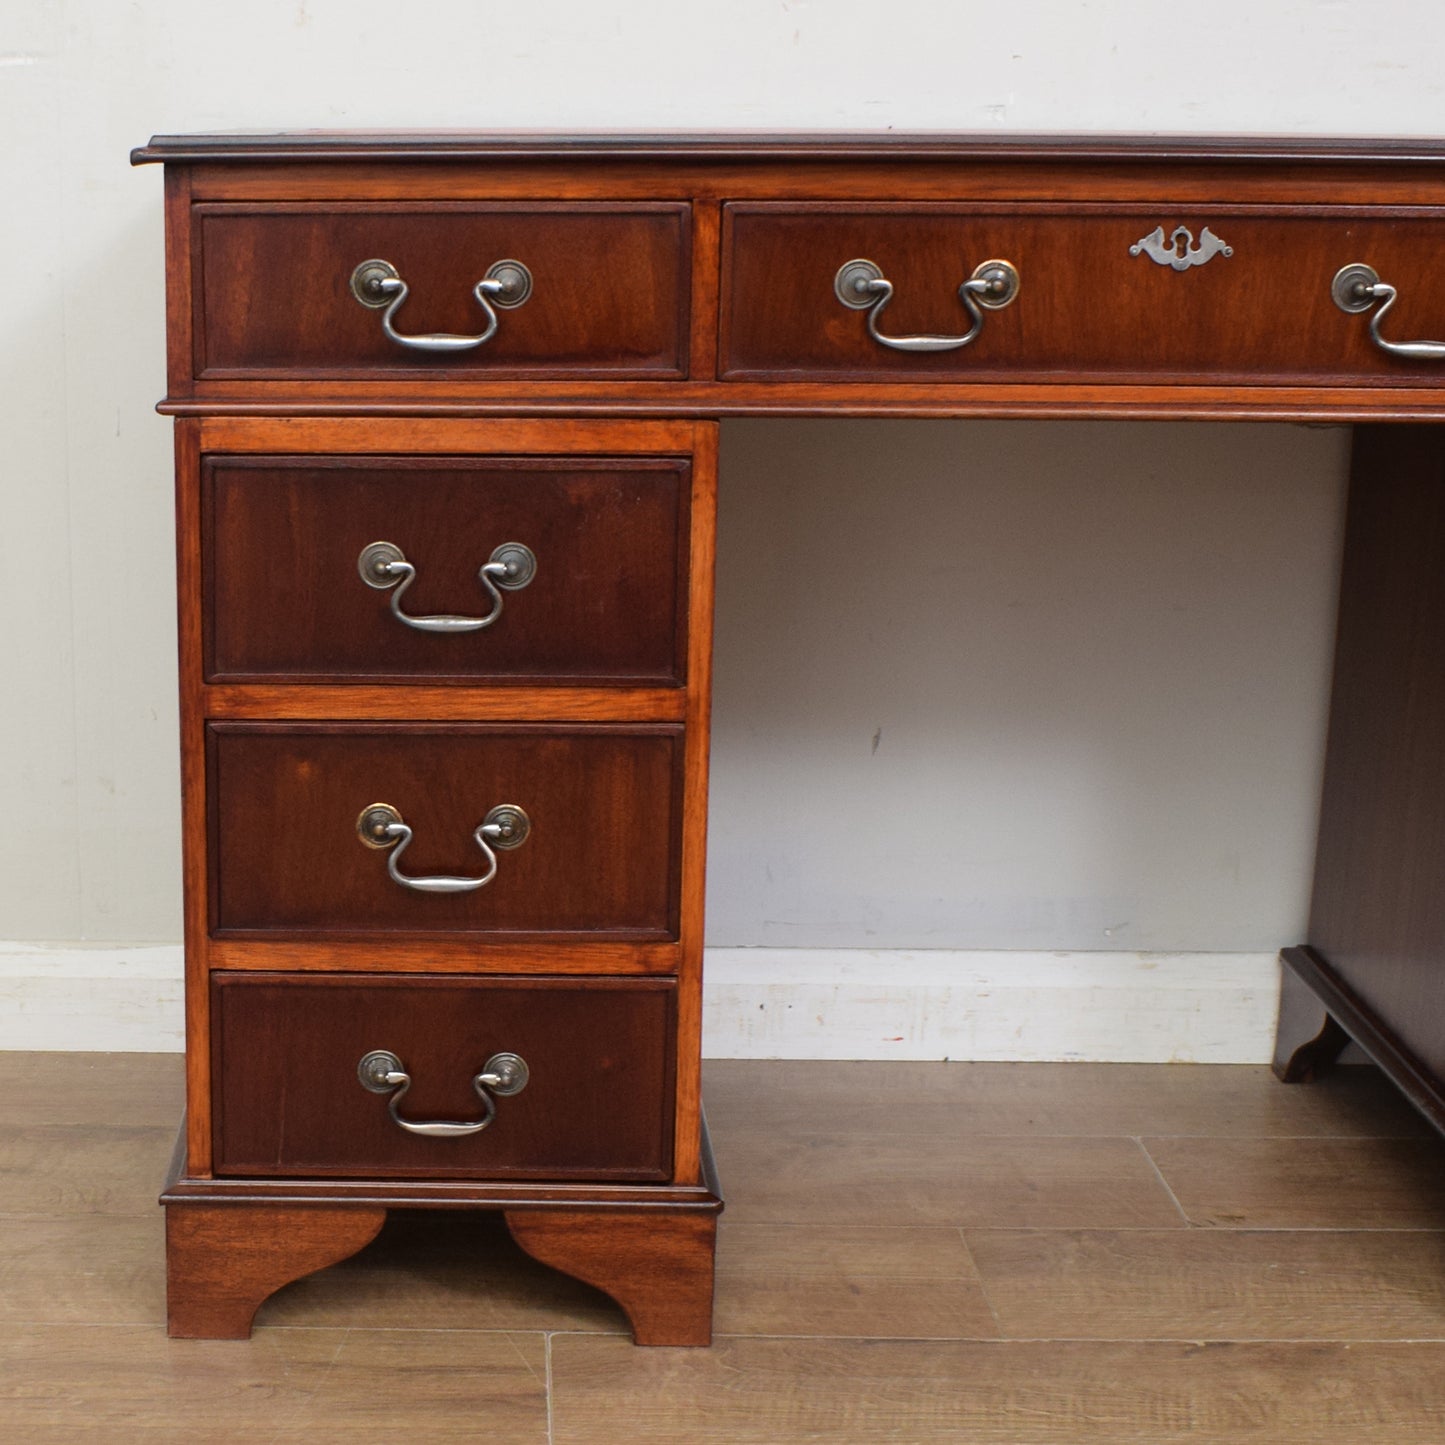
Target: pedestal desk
x=446, y=442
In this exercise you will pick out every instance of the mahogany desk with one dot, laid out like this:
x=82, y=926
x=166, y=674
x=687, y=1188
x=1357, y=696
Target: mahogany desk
x=446, y=447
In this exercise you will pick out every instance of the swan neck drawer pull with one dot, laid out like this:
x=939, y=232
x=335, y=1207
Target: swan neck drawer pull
x=377, y=284
x=382, y=1072
x=383, y=564
x=1356, y=288
x=381, y=826
x=860, y=284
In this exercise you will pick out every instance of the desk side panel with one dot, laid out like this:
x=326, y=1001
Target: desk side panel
x=1378, y=914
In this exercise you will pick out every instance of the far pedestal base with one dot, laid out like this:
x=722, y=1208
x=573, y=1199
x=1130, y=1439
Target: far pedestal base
x=1308, y=1038
x=1320, y=1013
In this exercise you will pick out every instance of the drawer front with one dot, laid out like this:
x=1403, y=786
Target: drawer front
x=597, y=1102
x=286, y=596
x=1092, y=303
x=274, y=297
x=599, y=859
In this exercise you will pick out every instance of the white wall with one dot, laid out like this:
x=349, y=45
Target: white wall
x=1108, y=747
x=991, y=685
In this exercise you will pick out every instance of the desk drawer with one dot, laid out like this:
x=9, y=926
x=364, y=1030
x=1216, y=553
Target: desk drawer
x=596, y=1103
x=274, y=298
x=596, y=855
x=1092, y=302
x=287, y=599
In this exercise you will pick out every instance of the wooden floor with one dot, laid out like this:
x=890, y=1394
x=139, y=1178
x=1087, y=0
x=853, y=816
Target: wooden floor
x=911, y=1252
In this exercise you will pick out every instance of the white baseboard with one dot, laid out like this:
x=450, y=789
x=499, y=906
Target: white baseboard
x=766, y=1003
x=112, y=998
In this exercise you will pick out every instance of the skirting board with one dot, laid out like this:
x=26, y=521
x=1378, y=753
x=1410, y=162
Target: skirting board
x=109, y=999
x=765, y=1003
x=1215, y=1008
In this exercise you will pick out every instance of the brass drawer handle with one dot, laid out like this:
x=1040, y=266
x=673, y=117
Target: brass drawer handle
x=1356, y=288
x=860, y=284
x=381, y=826
x=383, y=564
x=382, y=1072
x=378, y=284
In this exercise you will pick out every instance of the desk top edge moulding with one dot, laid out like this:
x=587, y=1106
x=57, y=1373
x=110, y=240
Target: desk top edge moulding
x=446, y=469
x=323, y=144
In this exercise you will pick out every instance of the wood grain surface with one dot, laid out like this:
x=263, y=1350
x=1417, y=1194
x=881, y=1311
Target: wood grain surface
x=1361, y=1284
x=82, y=1169
x=1378, y=914
x=696, y=743
x=1055, y=1392
x=597, y=1105
x=658, y=1265
x=222, y=1260
x=900, y=1179
x=1025, y=1101
x=92, y=1090
x=1090, y=306
x=607, y=602
x=863, y=1282
x=1305, y=1183
x=290, y=1387
x=601, y=857
x=1395, y=400
x=272, y=296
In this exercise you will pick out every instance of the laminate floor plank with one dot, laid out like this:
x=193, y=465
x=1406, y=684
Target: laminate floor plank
x=1306, y=1183
x=102, y=1269
x=961, y=1100
x=75, y=1169
x=1202, y=1284
x=68, y=1384
x=873, y=1179
x=868, y=1282
x=858, y=1392
x=426, y=1385
x=93, y=1089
